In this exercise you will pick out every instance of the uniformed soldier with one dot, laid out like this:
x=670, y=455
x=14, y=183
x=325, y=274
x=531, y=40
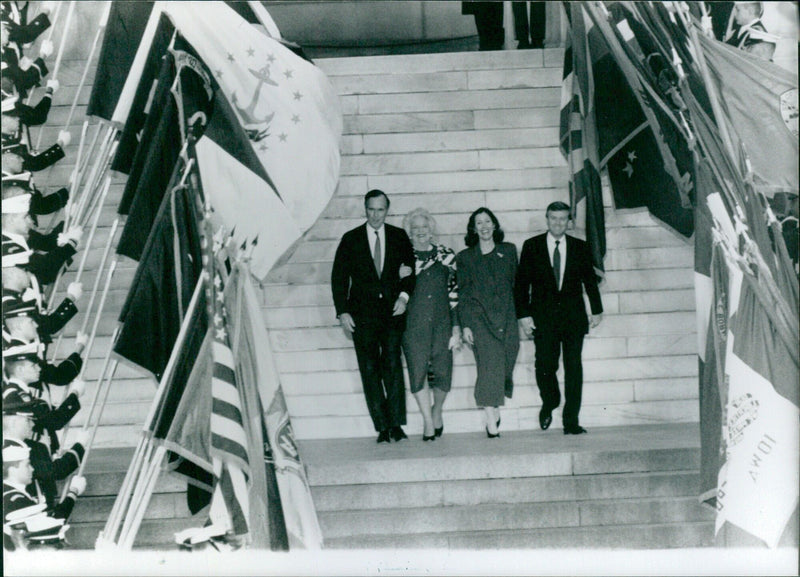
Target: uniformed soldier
x=20, y=285
x=18, y=158
x=44, y=254
x=20, y=29
x=41, y=204
x=18, y=428
x=23, y=378
x=27, y=522
x=20, y=329
x=23, y=72
x=750, y=34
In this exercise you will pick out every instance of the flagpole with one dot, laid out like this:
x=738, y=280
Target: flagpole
x=49, y=37
x=108, y=534
x=711, y=88
x=125, y=499
x=85, y=255
x=101, y=28
x=97, y=317
x=129, y=532
x=77, y=193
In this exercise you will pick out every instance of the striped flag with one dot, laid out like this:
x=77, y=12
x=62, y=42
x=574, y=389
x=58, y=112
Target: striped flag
x=578, y=137
x=228, y=439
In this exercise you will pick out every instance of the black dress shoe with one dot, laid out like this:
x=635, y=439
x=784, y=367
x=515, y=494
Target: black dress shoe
x=438, y=432
x=427, y=438
x=576, y=430
x=545, y=418
x=384, y=437
x=398, y=434
x=488, y=434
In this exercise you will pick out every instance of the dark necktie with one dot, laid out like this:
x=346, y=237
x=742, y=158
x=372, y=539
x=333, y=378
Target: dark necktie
x=376, y=256
x=557, y=265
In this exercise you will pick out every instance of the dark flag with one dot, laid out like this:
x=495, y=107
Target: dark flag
x=578, y=136
x=162, y=288
x=124, y=30
x=146, y=107
x=640, y=164
x=191, y=93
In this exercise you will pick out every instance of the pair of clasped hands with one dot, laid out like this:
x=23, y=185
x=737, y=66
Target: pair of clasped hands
x=348, y=324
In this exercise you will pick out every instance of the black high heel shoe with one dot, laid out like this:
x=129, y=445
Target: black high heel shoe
x=427, y=438
x=488, y=434
x=438, y=432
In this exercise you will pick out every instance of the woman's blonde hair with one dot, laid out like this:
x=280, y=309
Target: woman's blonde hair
x=427, y=216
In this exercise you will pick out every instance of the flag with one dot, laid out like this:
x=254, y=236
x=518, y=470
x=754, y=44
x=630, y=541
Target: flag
x=191, y=93
x=758, y=484
x=711, y=304
x=146, y=107
x=302, y=524
x=290, y=116
x=760, y=99
x=578, y=138
x=228, y=442
x=632, y=143
x=124, y=29
x=163, y=284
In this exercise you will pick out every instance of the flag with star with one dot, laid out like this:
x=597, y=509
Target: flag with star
x=629, y=146
x=287, y=114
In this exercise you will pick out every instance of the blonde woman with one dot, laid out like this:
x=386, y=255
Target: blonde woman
x=432, y=329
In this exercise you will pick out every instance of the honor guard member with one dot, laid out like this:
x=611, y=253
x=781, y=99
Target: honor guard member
x=23, y=72
x=46, y=254
x=20, y=285
x=750, y=34
x=20, y=29
x=41, y=204
x=18, y=115
x=22, y=372
x=24, y=517
x=20, y=329
x=18, y=428
x=17, y=158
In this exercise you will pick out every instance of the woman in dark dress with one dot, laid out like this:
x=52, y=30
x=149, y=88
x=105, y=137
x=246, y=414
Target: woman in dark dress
x=432, y=329
x=486, y=272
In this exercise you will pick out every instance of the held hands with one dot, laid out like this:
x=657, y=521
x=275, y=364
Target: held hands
x=74, y=291
x=64, y=138
x=467, y=336
x=73, y=236
x=405, y=271
x=347, y=322
x=399, y=307
x=46, y=49
x=77, y=485
x=455, y=339
x=81, y=339
x=526, y=328
x=53, y=84
x=78, y=386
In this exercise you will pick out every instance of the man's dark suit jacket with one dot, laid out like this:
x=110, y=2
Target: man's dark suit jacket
x=356, y=287
x=535, y=289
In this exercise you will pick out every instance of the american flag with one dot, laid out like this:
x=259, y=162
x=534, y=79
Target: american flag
x=228, y=439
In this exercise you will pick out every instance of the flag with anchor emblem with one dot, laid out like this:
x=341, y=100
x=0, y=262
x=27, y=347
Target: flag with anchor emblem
x=280, y=107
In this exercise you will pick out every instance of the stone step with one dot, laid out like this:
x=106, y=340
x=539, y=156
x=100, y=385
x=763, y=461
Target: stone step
x=504, y=491
x=472, y=456
x=422, y=63
x=457, y=80
x=512, y=516
x=523, y=419
x=153, y=533
x=666, y=536
x=344, y=382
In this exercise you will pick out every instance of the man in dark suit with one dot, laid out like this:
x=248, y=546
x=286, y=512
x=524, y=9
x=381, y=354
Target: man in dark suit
x=372, y=280
x=554, y=269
